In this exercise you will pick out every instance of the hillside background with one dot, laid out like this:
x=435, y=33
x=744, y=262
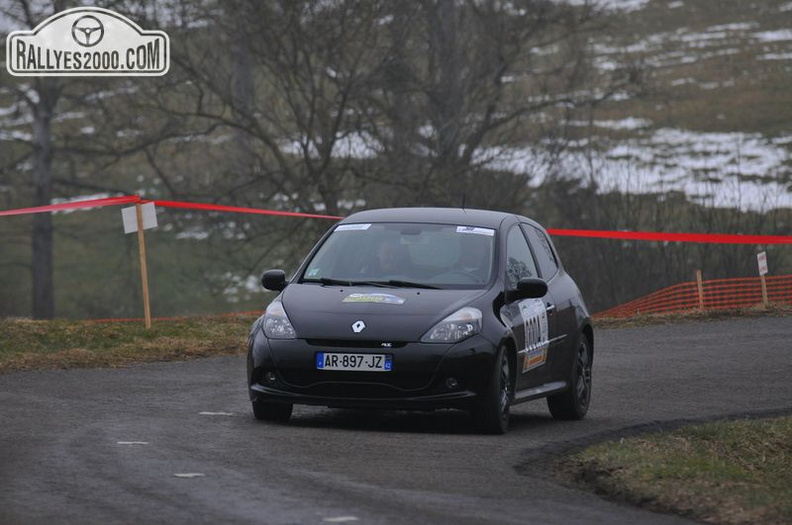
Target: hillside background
x=632, y=115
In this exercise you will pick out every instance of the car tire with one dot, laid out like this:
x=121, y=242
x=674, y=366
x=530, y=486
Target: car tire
x=492, y=413
x=271, y=411
x=574, y=403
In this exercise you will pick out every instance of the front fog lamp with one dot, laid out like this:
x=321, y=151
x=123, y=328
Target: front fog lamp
x=276, y=323
x=460, y=325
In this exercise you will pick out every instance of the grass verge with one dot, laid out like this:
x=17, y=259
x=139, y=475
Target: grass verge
x=730, y=472
x=35, y=345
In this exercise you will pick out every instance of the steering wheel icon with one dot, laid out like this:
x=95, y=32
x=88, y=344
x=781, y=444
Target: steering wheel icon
x=87, y=31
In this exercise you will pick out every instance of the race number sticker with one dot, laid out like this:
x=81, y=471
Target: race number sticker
x=537, y=339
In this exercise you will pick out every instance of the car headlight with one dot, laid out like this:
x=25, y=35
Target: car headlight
x=460, y=325
x=276, y=323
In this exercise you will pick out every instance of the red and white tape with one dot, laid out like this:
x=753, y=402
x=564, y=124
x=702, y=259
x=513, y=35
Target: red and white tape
x=133, y=199
x=716, y=238
x=74, y=205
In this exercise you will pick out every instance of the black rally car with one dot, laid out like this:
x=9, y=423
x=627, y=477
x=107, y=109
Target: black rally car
x=425, y=308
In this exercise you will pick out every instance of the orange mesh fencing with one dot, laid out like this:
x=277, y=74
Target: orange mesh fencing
x=718, y=294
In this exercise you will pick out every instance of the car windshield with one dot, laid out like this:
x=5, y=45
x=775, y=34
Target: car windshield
x=448, y=256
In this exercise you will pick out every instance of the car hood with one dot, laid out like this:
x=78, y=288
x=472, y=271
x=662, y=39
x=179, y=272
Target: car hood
x=389, y=314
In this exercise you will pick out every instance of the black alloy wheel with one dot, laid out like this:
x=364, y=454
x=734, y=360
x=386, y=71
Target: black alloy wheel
x=574, y=403
x=492, y=414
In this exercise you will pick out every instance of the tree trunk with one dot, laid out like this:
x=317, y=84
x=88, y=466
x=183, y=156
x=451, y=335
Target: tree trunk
x=446, y=101
x=244, y=93
x=43, y=290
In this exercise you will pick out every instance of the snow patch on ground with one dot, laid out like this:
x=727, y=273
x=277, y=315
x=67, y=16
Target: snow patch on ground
x=240, y=287
x=740, y=170
x=781, y=35
x=609, y=5
x=630, y=123
x=15, y=135
x=775, y=56
x=195, y=233
x=10, y=110
x=685, y=46
x=740, y=26
x=721, y=169
x=79, y=198
x=351, y=145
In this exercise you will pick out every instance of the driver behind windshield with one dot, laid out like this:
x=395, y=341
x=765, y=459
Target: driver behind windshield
x=390, y=258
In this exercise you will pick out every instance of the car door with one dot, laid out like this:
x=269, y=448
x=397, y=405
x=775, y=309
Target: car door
x=561, y=311
x=527, y=318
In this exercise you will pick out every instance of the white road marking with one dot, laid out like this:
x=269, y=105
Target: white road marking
x=190, y=475
x=340, y=519
x=215, y=413
x=133, y=443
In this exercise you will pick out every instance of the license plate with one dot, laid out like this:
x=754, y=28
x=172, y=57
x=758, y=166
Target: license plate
x=354, y=362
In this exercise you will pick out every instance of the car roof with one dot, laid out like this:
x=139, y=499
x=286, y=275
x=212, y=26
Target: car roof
x=461, y=216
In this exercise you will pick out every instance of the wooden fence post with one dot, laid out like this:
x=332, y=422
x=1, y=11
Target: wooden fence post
x=700, y=286
x=765, y=300
x=143, y=267
x=761, y=259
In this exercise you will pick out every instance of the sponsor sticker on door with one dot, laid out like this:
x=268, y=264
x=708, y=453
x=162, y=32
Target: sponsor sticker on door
x=87, y=41
x=537, y=340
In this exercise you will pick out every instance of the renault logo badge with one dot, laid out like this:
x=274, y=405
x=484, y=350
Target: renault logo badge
x=358, y=326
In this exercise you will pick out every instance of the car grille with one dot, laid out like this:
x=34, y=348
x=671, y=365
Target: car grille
x=356, y=384
x=344, y=343
x=356, y=391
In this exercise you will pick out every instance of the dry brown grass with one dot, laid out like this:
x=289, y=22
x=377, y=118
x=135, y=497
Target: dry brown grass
x=734, y=472
x=34, y=345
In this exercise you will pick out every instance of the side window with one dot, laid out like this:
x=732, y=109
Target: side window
x=548, y=263
x=519, y=261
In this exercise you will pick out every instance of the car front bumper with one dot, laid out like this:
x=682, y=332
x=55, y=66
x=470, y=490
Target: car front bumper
x=423, y=377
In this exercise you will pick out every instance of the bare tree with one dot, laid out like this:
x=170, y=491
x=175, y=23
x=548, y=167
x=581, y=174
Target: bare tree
x=76, y=136
x=465, y=86
x=41, y=97
x=329, y=106
x=286, y=91
x=333, y=101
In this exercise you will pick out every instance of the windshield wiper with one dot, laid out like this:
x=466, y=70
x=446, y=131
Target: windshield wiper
x=327, y=281
x=378, y=284
x=403, y=284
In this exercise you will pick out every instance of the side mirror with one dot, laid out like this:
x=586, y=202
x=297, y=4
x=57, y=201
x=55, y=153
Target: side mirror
x=527, y=288
x=274, y=280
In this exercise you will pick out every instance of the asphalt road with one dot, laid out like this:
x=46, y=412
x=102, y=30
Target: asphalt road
x=177, y=442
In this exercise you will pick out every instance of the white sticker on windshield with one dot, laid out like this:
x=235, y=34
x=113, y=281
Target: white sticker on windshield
x=350, y=227
x=477, y=231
